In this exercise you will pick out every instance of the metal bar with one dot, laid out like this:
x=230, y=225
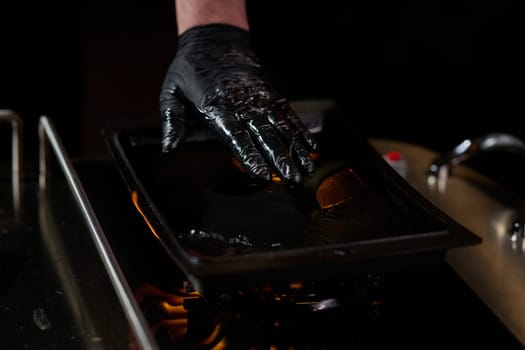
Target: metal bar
x=49, y=137
x=14, y=119
x=52, y=237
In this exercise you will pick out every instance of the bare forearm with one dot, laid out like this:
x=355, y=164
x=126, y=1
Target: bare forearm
x=191, y=13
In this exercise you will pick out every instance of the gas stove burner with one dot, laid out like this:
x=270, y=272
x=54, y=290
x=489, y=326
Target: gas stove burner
x=261, y=316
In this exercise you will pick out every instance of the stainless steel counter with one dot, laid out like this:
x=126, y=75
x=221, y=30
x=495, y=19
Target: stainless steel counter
x=56, y=291
x=495, y=269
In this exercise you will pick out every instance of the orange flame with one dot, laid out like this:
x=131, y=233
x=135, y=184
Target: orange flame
x=135, y=200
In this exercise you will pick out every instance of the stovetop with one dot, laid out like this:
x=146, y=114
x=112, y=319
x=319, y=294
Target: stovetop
x=56, y=291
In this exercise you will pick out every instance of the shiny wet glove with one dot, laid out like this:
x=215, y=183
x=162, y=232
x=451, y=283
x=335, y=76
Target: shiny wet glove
x=216, y=76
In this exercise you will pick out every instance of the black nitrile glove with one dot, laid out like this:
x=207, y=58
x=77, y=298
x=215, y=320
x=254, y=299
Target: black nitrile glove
x=216, y=74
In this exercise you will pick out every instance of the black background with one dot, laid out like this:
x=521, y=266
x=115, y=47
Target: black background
x=431, y=72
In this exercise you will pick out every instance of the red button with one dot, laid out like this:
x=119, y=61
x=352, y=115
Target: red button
x=393, y=156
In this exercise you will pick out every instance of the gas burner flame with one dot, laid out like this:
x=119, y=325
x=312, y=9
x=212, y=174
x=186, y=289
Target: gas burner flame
x=287, y=316
x=135, y=200
x=169, y=316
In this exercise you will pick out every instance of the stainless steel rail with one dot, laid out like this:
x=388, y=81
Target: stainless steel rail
x=49, y=139
x=14, y=119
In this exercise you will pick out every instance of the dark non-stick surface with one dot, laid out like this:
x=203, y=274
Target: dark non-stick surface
x=215, y=221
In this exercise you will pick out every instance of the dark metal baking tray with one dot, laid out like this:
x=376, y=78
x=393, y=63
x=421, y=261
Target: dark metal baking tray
x=353, y=215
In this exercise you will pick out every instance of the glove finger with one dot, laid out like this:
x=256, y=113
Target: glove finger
x=287, y=111
x=173, y=110
x=290, y=137
x=241, y=144
x=273, y=148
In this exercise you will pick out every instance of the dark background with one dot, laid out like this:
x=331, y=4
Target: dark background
x=431, y=72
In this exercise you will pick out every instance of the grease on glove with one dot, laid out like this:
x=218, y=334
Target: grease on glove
x=216, y=76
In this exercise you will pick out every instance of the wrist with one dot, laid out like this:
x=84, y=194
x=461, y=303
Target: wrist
x=193, y=13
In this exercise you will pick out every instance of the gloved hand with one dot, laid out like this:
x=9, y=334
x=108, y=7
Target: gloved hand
x=216, y=76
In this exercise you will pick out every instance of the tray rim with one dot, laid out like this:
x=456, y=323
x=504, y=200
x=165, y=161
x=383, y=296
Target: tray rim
x=199, y=269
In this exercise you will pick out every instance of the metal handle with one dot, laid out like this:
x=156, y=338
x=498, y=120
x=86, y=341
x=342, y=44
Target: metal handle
x=16, y=157
x=49, y=137
x=440, y=168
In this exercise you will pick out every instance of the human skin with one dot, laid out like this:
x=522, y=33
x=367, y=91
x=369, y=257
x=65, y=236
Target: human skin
x=191, y=13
